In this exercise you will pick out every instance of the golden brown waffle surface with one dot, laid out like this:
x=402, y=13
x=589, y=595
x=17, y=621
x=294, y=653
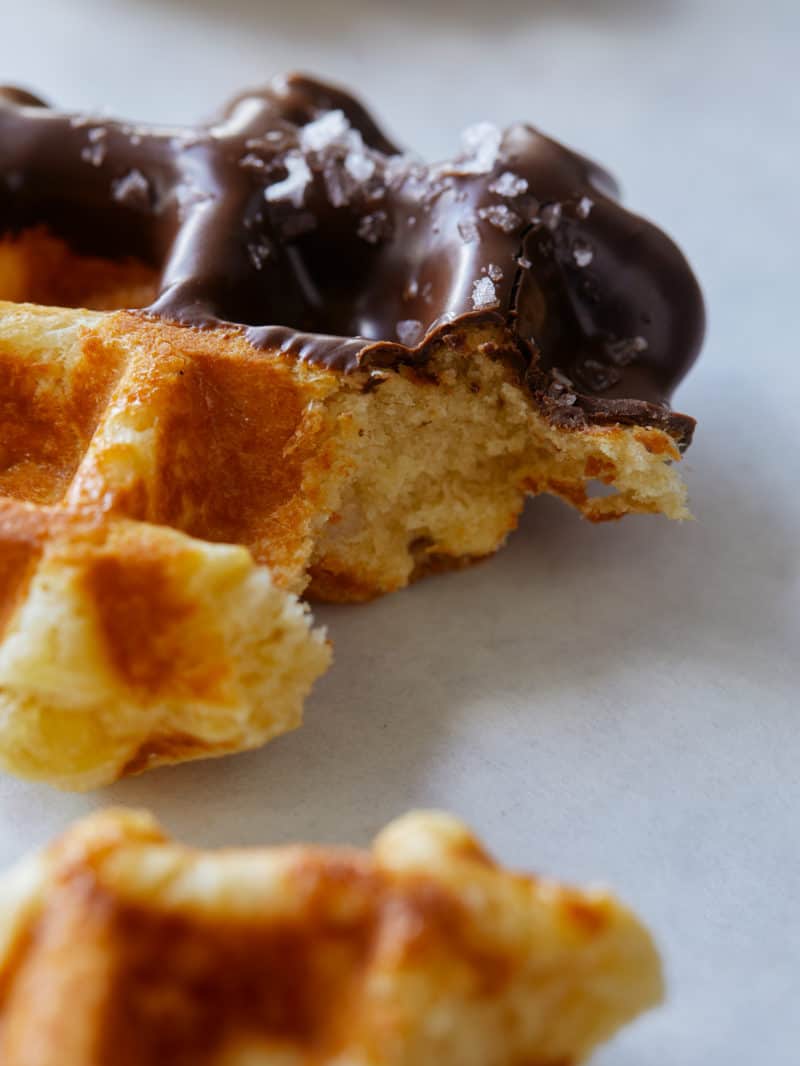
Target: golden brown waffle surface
x=127, y=643
x=118, y=946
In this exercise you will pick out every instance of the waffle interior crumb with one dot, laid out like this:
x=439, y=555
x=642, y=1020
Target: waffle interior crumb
x=441, y=461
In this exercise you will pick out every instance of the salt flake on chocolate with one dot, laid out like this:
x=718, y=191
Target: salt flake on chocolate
x=582, y=252
x=584, y=207
x=252, y=161
x=501, y=217
x=359, y=166
x=481, y=144
x=328, y=129
x=374, y=227
x=484, y=295
x=550, y=216
x=259, y=252
x=95, y=152
x=132, y=190
x=509, y=185
x=293, y=187
x=468, y=229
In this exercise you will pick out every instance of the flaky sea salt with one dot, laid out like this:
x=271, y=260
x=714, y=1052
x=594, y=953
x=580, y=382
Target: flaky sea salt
x=584, y=208
x=259, y=252
x=251, y=161
x=582, y=252
x=525, y=263
x=373, y=227
x=346, y=161
x=550, y=215
x=133, y=133
x=397, y=168
x=132, y=190
x=468, y=229
x=624, y=352
x=94, y=154
x=494, y=272
x=481, y=144
x=339, y=185
x=484, y=294
x=293, y=187
x=359, y=166
x=269, y=141
x=501, y=217
x=328, y=129
x=409, y=331
x=509, y=185
x=95, y=151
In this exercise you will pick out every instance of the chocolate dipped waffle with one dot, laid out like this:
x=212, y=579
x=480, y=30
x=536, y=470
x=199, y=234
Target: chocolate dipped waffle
x=352, y=365
x=118, y=946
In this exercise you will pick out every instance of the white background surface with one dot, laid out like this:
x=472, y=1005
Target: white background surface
x=616, y=702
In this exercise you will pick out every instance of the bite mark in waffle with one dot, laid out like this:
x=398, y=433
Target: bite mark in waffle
x=117, y=946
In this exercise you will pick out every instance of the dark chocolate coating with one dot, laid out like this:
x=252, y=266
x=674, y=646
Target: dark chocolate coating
x=293, y=215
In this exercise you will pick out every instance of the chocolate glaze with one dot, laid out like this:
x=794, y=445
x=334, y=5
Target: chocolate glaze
x=294, y=216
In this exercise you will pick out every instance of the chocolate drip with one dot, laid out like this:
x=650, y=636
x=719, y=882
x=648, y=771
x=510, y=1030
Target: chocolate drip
x=294, y=215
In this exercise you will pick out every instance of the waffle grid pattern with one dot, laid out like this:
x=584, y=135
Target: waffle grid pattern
x=132, y=460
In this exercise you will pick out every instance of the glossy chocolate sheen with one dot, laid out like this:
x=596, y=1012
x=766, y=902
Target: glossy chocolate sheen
x=293, y=215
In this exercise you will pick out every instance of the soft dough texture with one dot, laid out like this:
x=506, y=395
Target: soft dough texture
x=119, y=946
x=128, y=646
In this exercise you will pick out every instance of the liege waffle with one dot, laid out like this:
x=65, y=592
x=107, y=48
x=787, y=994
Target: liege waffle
x=350, y=368
x=126, y=643
x=117, y=946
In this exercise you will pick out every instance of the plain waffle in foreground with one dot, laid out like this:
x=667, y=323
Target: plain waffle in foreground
x=119, y=946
